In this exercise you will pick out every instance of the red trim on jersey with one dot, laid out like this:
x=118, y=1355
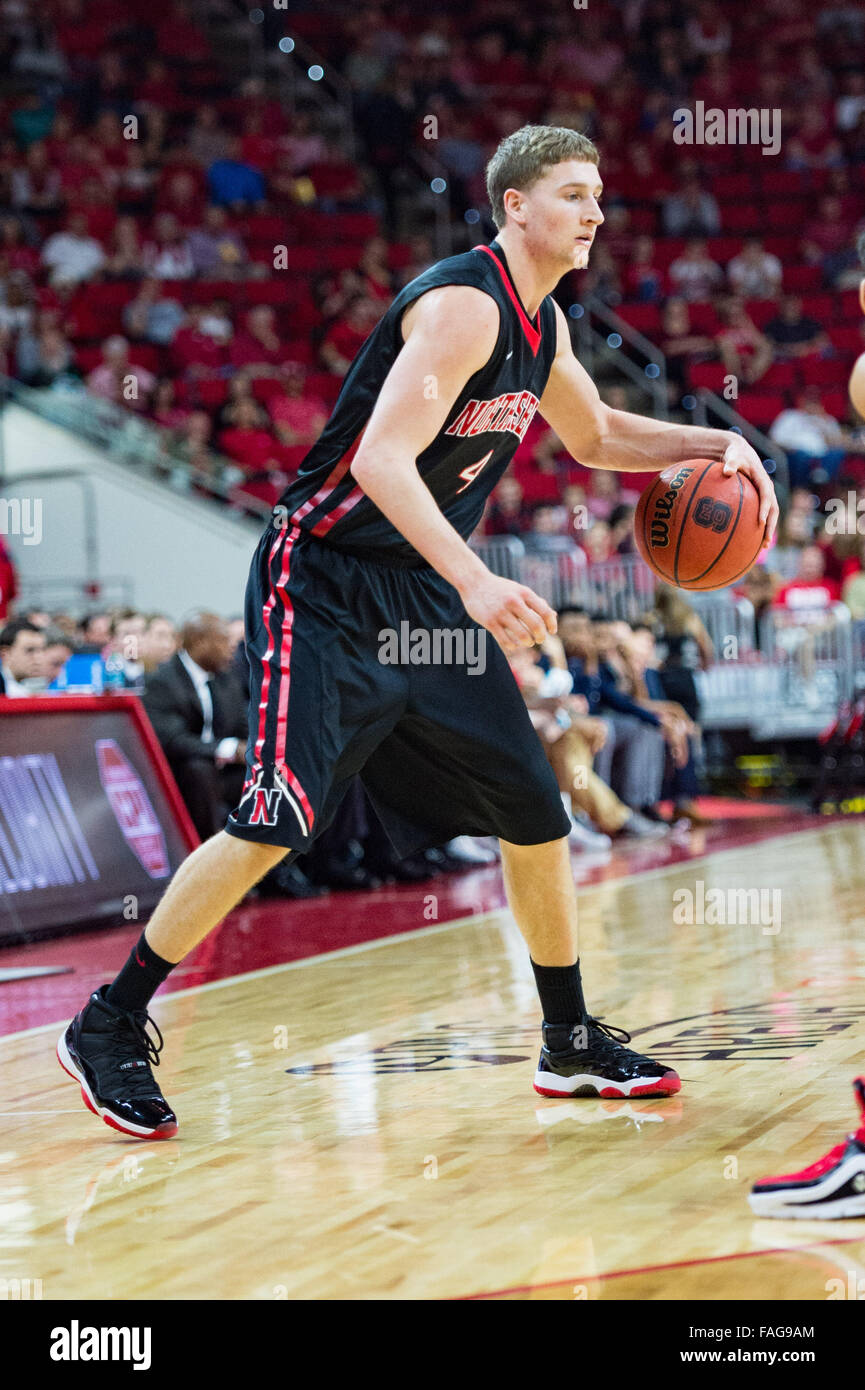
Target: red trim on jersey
x=333, y=480
x=532, y=333
x=287, y=540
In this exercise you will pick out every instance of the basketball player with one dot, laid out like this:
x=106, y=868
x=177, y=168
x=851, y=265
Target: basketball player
x=834, y=1186
x=370, y=541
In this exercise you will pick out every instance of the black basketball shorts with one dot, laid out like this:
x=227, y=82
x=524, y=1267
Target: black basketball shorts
x=362, y=666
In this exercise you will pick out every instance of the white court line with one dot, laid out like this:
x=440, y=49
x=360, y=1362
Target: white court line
x=476, y=917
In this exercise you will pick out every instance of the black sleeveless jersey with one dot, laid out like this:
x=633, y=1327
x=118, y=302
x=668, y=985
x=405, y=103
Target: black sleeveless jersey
x=474, y=446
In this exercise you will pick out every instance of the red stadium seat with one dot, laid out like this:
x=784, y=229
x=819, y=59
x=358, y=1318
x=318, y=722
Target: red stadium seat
x=703, y=318
x=739, y=185
x=836, y=402
x=847, y=339
x=820, y=307
x=761, y=310
x=780, y=183
x=708, y=375
x=646, y=318
x=324, y=384
x=822, y=371
x=760, y=407
x=781, y=376
x=799, y=279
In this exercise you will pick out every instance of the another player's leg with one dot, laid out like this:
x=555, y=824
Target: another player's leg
x=107, y=1047
x=833, y=1187
x=580, y=1055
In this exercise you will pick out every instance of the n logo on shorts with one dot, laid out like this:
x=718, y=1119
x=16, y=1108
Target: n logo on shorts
x=265, y=807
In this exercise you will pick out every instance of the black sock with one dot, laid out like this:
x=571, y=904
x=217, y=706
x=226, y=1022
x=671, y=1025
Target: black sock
x=139, y=978
x=561, y=993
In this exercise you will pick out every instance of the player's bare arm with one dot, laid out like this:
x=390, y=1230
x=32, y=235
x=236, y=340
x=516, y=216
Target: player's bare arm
x=450, y=333
x=599, y=437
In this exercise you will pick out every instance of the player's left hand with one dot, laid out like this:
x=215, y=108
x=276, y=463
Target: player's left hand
x=739, y=457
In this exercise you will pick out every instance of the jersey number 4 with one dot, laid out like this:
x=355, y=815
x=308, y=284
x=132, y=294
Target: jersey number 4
x=472, y=471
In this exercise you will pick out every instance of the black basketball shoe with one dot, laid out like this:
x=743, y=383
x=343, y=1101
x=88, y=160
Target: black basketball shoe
x=109, y=1051
x=596, y=1064
x=832, y=1188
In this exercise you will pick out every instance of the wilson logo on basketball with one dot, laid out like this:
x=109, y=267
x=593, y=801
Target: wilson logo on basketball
x=711, y=513
x=662, y=508
x=511, y=412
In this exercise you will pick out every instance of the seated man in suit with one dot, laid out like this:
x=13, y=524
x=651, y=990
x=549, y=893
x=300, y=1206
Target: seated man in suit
x=198, y=710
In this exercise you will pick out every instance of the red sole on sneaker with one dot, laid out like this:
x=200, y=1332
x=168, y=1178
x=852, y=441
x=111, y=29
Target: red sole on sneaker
x=664, y=1086
x=167, y=1133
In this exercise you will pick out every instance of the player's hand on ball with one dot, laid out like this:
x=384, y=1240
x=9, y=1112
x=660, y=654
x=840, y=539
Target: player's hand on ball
x=739, y=457
x=514, y=614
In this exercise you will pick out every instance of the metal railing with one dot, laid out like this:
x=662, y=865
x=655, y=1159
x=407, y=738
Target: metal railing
x=596, y=349
x=776, y=679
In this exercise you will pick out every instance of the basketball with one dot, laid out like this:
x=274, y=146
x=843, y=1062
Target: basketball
x=857, y=385
x=697, y=527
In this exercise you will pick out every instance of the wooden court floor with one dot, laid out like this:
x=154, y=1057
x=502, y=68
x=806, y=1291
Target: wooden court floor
x=363, y=1125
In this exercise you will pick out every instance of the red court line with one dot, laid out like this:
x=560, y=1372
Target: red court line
x=654, y=1269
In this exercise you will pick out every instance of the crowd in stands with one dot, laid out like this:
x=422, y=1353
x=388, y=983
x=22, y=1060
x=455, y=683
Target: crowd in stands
x=190, y=249
x=193, y=251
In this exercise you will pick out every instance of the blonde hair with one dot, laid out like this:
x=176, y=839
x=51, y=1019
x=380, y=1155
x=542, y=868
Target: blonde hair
x=524, y=157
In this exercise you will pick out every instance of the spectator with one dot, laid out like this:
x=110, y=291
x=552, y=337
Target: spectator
x=506, y=514
x=758, y=591
x=57, y=651
x=376, y=280
x=164, y=409
x=8, y=580
x=32, y=119
x=691, y=212
x=248, y=441
x=173, y=260
x=206, y=141
x=14, y=251
x=298, y=416
x=809, y=598
x=644, y=280
x=632, y=759
x=118, y=379
x=707, y=32
x=745, y=351
x=829, y=240
x=232, y=183
x=814, y=441
x=36, y=187
x=851, y=103
x=794, y=334
x=153, y=317
x=43, y=354
x=194, y=351
x=199, y=715
x=680, y=783
x=346, y=336
x=127, y=632
x=217, y=250
x=694, y=275
x=755, y=273
x=129, y=258
x=16, y=306
x=681, y=346
x=72, y=256
x=158, y=642
x=259, y=350
x=548, y=534
x=22, y=647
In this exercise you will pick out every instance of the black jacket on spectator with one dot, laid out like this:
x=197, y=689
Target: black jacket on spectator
x=175, y=712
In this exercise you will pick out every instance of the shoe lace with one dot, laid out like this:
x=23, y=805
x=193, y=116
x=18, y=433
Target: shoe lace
x=130, y=1032
x=618, y=1035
